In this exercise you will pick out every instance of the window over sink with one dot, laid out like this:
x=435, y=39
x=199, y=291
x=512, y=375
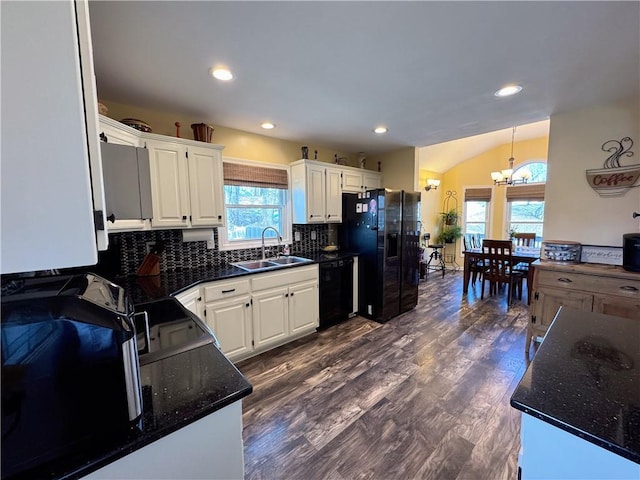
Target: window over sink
x=256, y=196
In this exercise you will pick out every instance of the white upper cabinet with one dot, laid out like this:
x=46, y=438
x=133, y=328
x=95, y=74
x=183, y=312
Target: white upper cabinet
x=169, y=184
x=316, y=192
x=205, y=186
x=333, y=192
x=112, y=131
x=357, y=180
x=51, y=168
x=186, y=184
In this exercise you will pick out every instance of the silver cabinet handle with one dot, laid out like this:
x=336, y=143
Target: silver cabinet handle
x=565, y=280
x=629, y=288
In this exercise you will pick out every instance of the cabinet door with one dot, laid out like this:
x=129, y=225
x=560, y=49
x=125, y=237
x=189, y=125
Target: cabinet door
x=352, y=182
x=315, y=194
x=230, y=321
x=169, y=184
x=205, y=187
x=303, y=307
x=333, y=195
x=620, y=307
x=371, y=181
x=47, y=141
x=270, y=317
x=549, y=300
x=192, y=301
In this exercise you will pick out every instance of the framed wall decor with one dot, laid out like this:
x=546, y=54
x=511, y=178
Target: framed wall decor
x=601, y=254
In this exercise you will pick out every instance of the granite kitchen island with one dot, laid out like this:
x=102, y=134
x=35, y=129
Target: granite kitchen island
x=581, y=400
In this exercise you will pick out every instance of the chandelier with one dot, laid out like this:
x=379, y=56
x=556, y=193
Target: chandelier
x=507, y=177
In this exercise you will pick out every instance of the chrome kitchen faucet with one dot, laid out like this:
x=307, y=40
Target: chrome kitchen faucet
x=279, y=238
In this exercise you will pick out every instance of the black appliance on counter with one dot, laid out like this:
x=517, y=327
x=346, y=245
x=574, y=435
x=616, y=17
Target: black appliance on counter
x=383, y=227
x=70, y=370
x=336, y=289
x=631, y=252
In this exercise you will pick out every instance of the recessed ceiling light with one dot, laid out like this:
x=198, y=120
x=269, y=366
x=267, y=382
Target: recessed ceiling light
x=508, y=90
x=267, y=125
x=380, y=130
x=221, y=74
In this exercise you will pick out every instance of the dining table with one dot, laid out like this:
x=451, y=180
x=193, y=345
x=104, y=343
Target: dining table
x=519, y=255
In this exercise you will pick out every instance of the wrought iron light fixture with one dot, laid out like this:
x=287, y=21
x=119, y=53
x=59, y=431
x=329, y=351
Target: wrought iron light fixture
x=432, y=184
x=506, y=177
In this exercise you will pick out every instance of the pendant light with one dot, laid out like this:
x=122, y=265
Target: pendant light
x=506, y=177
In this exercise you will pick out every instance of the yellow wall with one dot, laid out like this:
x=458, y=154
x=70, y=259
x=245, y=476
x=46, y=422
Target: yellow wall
x=476, y=172
x=237, y=143
x=398, y=168
x=430, y=203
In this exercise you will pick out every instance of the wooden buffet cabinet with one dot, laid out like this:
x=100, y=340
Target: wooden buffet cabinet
x=604, y=289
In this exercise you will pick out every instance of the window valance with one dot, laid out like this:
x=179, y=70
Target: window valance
x=254, y=176
x=477, y=194
x=531, y=192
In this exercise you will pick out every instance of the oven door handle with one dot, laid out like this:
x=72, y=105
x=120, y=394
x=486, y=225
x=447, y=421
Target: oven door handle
x=147, y=335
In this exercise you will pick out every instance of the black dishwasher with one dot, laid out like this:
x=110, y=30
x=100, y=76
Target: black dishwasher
x=336, y=290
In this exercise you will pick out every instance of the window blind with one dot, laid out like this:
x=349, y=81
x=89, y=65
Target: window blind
x=477, y=194
x=253, y=176
x=532, y=192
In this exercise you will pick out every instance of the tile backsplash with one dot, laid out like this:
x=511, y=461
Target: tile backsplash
x=130, y=248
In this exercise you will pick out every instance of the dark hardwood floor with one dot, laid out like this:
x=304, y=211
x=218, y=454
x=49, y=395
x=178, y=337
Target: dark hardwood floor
x=424, y=396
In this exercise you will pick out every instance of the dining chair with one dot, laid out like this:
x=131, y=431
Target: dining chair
x=524, y=239
x=476, y=267
x=497, y=268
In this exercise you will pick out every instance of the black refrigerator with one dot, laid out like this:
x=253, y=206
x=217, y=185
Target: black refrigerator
x=383, y=227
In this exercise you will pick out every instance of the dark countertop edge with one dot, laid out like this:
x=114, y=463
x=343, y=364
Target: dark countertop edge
x=235, y=272
x=617, y=449
x=137, y=444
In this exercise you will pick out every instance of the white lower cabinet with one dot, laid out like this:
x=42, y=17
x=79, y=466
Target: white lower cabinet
x=255, y=313
x=208, y=448
x=230, y=321
x=270, y=317
x=303, y=307
x=192, y=301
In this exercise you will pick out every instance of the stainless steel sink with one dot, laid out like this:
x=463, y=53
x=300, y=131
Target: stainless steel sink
x=289, y=260
x=272, y=263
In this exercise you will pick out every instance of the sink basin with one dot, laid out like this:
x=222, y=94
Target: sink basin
x=289, y=260
x=255, y=264
x=259, y=265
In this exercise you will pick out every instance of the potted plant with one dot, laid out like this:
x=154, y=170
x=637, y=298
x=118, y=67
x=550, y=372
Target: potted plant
x=450, y=217
x=450, y=234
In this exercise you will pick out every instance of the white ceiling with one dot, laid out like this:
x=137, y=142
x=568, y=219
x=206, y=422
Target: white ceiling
x=326, y=73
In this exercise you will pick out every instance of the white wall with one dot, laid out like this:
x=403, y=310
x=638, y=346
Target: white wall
x=573, y=210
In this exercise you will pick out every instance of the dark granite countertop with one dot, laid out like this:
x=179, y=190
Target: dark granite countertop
x=144, y=289
x=585, y=379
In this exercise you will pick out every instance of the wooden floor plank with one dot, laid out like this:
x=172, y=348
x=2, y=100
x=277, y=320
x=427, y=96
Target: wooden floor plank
x=425, y=395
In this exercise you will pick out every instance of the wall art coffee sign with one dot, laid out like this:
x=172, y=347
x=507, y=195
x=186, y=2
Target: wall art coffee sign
x=614, y=180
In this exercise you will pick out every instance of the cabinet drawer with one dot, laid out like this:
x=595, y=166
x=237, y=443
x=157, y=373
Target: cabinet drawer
x=225, y=289
x=568, y=280
x=590, y=283
x=284, y=277
x=619, y=287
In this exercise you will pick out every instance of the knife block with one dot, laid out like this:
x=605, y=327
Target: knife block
x=150, y=266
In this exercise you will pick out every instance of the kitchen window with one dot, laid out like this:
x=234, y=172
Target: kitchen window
x=476, y=212
x=525, y=204
x=255, y=197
